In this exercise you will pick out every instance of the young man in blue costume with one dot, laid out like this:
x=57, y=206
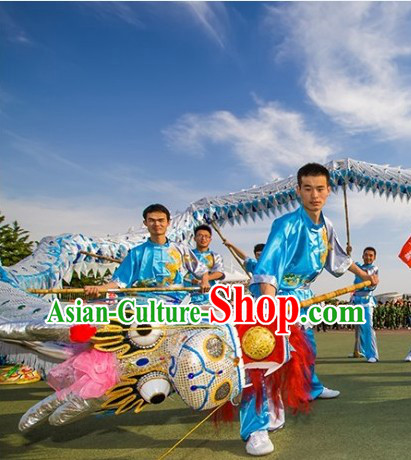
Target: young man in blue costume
x=212, y=260
x=276, y=418
x=365, y=339
x=158, y=262
x=301, y=244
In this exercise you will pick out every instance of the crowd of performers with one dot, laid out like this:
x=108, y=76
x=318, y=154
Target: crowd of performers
x=300, y=245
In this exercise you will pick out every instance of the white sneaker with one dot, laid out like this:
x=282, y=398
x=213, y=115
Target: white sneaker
x=329, y=394
x=259, y=444
x=408, y=357
x=372, y=360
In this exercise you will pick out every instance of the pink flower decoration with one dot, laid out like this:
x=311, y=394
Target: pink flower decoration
x=88, y=375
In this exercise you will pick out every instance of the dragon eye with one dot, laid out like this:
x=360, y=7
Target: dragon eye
x=154, y=387
x=144, y=335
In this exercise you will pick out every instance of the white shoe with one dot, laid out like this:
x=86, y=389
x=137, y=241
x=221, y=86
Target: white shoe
x=259, y=444
x=372, y=360
x=329, y=394
x=408, y=358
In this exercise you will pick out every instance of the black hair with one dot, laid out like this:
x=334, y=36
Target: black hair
x=313, y=169
x=370, y=248
x=259, y=247
x=203, y=227
x=156, y=207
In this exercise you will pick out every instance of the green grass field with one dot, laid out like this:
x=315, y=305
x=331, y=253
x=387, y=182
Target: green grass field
x=370, y=420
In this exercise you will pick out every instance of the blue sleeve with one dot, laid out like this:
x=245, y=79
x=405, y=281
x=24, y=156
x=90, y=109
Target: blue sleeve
x=271, y=265
x=126, y=274
x=250, y=264
x=357, y=279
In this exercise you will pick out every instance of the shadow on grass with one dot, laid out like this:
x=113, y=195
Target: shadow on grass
x=94, y=423
x=356, y=361
x=11, y=393
x=347, y=428
x=114, y=432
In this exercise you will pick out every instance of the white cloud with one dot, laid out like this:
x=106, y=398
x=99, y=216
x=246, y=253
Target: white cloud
x=356, y=57
x=212, y=17
x=48, y=216
x=98, y=215
x=123, y=11
x=173, y=193
x=118, y=206
x=40, y=152
x=13, y=31
x=269, y=140
x=365, y=209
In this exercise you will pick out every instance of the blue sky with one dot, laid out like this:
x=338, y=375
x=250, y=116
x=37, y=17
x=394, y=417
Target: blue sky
x=106, y=107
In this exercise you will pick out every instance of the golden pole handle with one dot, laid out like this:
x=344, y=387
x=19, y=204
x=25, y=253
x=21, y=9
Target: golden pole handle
x=103, y=291
x=331, y=295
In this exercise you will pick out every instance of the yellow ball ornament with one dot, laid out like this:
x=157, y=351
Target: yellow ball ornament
x=258, y=343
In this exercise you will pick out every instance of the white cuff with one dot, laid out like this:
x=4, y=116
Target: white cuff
x=120, y=284
x=266, y=279
x=344, y=266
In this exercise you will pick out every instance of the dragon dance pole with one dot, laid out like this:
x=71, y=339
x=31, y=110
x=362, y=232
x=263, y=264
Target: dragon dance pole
x=103, y=291
x=98, y=256
x=304, y=303
x=347, y=223
x=217, y=229
x=331, y=295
